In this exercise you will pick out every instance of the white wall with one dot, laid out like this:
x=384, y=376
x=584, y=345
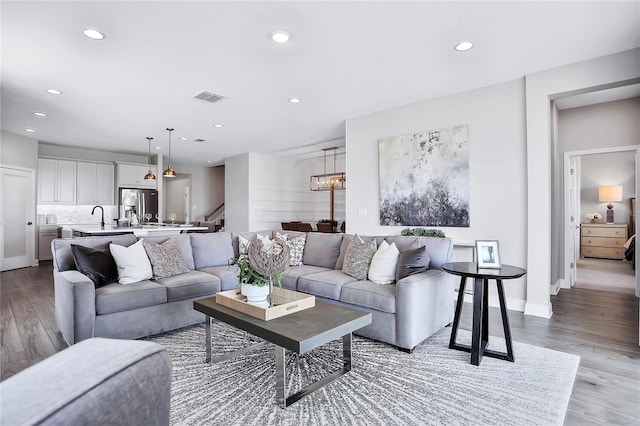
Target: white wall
x=203, y=185
x=541, y=87
x=496, y=121
x=16, y=150
x=277, y=191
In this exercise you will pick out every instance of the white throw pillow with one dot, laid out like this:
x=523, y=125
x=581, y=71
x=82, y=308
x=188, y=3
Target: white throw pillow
x=132, y=263
x=383, y=265
x=243, y=243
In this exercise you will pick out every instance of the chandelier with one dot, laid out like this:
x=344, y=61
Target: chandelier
x=328, y=181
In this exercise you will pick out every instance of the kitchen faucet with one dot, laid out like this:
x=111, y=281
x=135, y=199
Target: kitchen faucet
x=102, y=218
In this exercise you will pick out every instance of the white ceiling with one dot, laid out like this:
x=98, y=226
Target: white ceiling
x=345, y=59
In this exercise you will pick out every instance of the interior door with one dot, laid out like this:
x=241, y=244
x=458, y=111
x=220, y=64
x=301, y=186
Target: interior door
x=572, y=216
x=17, y=217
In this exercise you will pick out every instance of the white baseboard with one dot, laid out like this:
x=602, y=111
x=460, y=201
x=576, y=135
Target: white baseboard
x=543, y=311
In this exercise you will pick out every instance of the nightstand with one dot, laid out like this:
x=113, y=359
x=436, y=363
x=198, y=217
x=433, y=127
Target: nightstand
x=603, y=240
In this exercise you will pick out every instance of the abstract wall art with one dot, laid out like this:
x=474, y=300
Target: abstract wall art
x=424, y=178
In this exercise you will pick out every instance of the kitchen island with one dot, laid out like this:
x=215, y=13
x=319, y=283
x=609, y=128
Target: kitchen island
x=138, y=231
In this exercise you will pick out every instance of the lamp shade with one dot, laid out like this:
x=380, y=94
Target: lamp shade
x=609, y=193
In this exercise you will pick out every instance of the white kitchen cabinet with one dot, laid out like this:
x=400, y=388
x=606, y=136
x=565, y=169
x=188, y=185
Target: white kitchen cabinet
x=95, y=183
x=46, y=234
x=56, y=181
x=131, y=175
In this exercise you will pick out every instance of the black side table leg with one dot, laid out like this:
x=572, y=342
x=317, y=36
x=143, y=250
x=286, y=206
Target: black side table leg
x=456, y=317
x=485, y=313
x=505, y=322
x=476, y=333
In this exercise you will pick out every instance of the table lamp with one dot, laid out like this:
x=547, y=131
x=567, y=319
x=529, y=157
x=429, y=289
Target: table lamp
x=609, y=194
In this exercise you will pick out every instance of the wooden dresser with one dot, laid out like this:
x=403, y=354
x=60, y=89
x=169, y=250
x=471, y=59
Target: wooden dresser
x=603, y=240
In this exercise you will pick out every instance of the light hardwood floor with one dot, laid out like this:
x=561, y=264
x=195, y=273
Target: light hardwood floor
x=600, y=327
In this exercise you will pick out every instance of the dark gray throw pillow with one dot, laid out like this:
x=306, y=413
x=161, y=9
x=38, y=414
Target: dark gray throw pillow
x=411, y=262
x=96, y=264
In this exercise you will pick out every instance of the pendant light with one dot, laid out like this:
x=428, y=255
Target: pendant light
x=150, y=175
x=169, y=172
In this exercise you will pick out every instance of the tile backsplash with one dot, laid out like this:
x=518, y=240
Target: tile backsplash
x=78, y=214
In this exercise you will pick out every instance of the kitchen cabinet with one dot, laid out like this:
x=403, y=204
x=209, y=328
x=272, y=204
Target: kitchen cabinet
x=95, y=183
x=131, y=175
x=46, y=234
x=604, y=240
x=56, y=181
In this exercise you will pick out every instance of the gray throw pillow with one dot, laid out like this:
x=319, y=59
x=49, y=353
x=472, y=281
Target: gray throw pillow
x=411, y=262
x=166, y=258
x=358, y=257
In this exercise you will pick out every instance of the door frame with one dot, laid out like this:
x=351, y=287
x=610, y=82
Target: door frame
x=31, y=215
x=569, y=236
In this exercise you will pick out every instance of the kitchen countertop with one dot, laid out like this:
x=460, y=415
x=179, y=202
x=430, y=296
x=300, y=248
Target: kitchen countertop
x=140, y=230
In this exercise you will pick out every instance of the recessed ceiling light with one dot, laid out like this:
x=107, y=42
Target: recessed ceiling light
x=54, y=91
x=39, y=114
x=280, y=36
x=218, y=125
x=465, y=45
x=209, y=161
x=183, y=138
x=157, y=147
x=295, y=100
x=29, y=130
x=93, y=34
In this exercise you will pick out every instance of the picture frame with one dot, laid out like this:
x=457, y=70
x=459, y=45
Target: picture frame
x=488, y=254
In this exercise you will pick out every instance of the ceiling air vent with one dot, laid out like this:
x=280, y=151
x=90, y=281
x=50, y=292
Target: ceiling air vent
x=198, y=140
x=209, y=96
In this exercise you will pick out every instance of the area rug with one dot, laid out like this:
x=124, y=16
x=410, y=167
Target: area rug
x=434, y=385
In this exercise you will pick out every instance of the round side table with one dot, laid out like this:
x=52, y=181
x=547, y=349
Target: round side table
x=480, y=331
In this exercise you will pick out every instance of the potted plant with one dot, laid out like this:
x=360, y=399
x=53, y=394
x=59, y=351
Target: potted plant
x=259, y=267
x=423, y=232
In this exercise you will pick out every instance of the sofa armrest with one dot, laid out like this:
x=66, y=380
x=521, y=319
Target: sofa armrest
x=75, y=305
x=424, y=304
x=98, y=381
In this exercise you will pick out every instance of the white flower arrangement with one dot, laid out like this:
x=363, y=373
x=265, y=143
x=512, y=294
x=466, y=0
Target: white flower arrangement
x=593, y=217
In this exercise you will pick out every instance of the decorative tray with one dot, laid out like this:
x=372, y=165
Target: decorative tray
x=282, y=302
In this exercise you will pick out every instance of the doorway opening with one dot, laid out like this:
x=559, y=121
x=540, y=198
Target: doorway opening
x=595, y=252
x=178, y=197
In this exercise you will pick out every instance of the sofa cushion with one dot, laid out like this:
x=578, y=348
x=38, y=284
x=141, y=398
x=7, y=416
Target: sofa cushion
x=383, y=264
x=322, y=249
x=166, y=258
x=291, y=274
x=117, y=297
x=228, y=276
x=132, y=262
x=98, y=265
x=411, y=262
x=189, y=285
x=213, y=249
x=324, y=284
x=61, y=248
x=403, y=242
x=370, y=295
x=296, y=249
x=184, y=242
x=358, y=257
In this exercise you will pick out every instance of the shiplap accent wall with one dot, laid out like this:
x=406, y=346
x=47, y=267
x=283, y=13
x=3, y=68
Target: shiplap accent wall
x=277, y=190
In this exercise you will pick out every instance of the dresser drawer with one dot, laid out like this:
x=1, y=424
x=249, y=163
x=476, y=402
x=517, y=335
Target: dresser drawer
x=605, y=231
x=603, y=242
x=610, y=253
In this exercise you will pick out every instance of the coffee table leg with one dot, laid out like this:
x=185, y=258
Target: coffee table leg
x=281, y=379
x=208, y=338
x=346, y=352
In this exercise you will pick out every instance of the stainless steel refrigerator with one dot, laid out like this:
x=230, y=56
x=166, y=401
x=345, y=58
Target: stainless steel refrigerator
x=138, y=202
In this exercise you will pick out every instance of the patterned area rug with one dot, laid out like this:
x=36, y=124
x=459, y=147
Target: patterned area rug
x=432, y=386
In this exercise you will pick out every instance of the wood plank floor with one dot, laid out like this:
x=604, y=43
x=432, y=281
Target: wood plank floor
x=600, y=327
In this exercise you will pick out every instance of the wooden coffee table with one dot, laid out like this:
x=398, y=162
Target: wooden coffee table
x=299, y=332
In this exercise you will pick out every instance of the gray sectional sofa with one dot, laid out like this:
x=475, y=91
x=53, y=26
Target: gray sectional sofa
x=404, y=313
